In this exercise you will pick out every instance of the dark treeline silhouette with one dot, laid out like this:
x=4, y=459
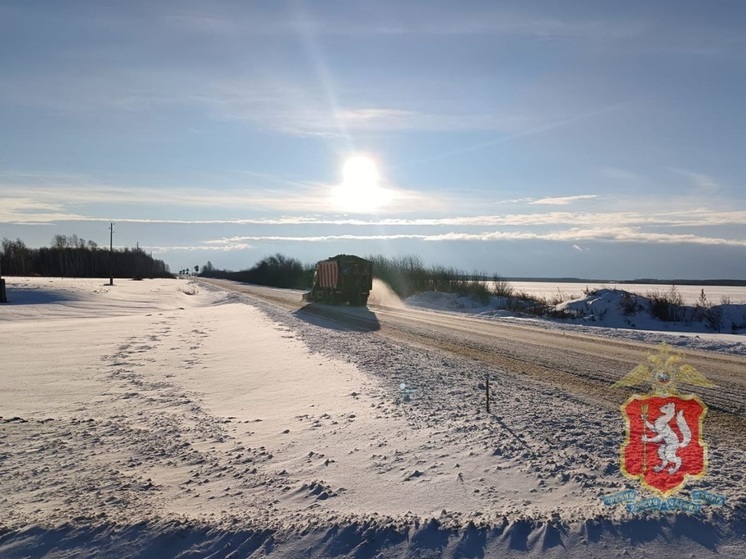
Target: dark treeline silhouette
x=277, y=270
x=71, y=256
x=406, y=275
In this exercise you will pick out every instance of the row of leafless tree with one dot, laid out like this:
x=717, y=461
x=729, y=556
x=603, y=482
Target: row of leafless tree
x=72, y=256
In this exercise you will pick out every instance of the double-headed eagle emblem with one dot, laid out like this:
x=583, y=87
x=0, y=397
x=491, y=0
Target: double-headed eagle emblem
x=664, y=373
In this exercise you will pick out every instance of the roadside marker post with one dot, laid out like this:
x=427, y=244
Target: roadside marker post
x=487, y=391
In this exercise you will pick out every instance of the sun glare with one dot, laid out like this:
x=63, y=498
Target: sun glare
x=360, y=190
x=360, y=170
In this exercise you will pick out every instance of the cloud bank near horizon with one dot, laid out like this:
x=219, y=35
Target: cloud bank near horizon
x=68, y=202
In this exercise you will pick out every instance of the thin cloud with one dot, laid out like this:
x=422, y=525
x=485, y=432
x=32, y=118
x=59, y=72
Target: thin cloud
x=288, y=106
x=622, y=174
x=703, y=183
x=53, y=203
x=404, y=21
x=312, y=238
x=628, y=235
x=226, y=247
x=30, y=211
x=535, y=126
x=49, y=205
x=564, y=200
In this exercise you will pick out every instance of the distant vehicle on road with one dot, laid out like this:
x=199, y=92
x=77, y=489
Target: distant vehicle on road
x=342, y=279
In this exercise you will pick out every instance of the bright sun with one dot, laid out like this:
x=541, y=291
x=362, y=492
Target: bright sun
x=360, y=190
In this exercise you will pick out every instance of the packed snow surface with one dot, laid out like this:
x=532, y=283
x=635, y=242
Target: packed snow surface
x=163, y=418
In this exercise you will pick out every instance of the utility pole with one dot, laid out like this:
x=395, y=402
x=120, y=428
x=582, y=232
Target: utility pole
x=3, y=296
x=111, y=253
x=137, y=261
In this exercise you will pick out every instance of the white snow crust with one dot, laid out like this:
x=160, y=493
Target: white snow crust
x=164, y=418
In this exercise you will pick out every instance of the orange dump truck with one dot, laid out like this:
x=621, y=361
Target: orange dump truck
x=341, y=279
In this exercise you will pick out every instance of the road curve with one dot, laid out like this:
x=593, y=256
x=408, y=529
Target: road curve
x=584, y=365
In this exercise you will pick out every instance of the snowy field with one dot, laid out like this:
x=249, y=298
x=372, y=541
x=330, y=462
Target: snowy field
x=162, y=418
x=690, y=293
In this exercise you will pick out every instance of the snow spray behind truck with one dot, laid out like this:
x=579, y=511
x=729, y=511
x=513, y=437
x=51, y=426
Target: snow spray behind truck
x=342, y=278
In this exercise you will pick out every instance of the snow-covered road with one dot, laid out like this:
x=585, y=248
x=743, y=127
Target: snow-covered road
x=577, y=361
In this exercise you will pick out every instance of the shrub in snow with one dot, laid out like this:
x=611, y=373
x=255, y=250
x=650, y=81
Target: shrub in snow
x=714, y=318
x=666, y=305
x=501, y=287
x=628, y=303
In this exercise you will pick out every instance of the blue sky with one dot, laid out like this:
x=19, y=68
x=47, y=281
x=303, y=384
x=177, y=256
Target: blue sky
x=583, y=138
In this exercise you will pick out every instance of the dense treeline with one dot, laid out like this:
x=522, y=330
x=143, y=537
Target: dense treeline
x=277, y=270
x=406, y=275
x=71, y=256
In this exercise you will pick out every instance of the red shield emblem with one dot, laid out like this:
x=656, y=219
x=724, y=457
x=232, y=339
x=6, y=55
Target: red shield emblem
x=664, y=442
